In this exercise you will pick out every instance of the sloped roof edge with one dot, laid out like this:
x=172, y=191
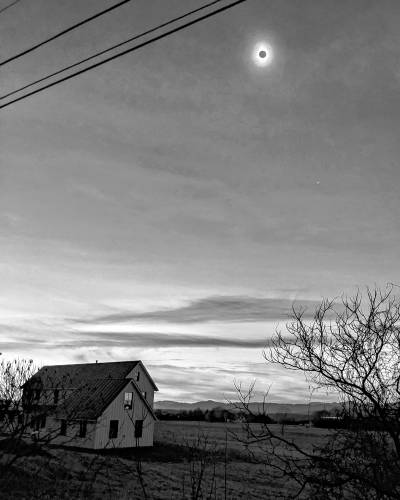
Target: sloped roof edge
x=148, y=375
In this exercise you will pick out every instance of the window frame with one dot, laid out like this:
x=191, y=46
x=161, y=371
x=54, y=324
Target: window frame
x=113, y=429
x=42, y=421
x=63, y=427
x=82, y=428
x=56, y=396
x=128, y=405
x=138, y=429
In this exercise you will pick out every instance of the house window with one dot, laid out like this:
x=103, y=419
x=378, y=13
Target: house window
x=144, y=394
x=35, y=424
x=56, y=396
x=113, y=432
x=138, y=428
x=137, y=376
x=43, y=421
x=82, y=428
x=63, y=428
x=128, y=401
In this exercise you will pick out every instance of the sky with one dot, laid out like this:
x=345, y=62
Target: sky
x=173, y=204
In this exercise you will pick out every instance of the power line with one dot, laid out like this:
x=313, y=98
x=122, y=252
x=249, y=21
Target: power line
x=9, y=5
x=63, y=32
x=98, y=54
x=132, y=49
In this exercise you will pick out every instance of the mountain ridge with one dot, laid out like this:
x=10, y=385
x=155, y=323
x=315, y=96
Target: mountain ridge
x=254, y=406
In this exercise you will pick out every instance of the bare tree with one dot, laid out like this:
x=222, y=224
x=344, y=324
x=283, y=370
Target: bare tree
x=351, y=349
x=28, y=408
x=13, y=419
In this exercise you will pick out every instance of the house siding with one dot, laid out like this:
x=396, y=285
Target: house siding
x=126, y=423
x=72, y=436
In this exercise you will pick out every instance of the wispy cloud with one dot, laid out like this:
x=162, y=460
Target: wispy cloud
x=146, y=340
x=216, y=308
x=195, y=383
x=10, y=219
x=156, y=339
x=92, y=192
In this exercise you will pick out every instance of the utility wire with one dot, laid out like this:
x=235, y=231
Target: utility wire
x=8, y=6
x=140, y=35
x=63, y=32
x=136, y=47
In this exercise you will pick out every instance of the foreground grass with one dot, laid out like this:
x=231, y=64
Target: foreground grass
x=188, y=458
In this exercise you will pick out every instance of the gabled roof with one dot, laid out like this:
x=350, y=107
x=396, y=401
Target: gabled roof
x=91, y=399
x=72, y=376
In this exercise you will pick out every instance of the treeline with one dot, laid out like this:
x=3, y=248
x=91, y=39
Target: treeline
x=318, y=419
x=214, y=415
x=358, y=423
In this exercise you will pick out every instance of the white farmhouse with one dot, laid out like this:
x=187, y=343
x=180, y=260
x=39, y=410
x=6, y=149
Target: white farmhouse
x=92, y=405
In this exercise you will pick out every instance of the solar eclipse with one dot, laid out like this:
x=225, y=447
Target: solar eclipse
x=262, y=54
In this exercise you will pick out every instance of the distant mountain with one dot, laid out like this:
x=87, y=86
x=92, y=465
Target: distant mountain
x=270, y=408
x=178, y=406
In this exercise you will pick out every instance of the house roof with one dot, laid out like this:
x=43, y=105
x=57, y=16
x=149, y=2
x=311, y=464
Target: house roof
x=92, y=397
x=72, y=376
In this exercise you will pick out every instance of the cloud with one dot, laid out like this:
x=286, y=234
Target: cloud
x=90, y=191
x=216, y=308
x=196, y=383
x=21, y=346
x=10, y=219
x=177, y=380
x=162, y=340
x=149, y=340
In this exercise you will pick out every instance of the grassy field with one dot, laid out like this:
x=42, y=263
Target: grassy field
x=187, y=457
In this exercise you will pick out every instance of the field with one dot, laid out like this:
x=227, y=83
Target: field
x=188, y=458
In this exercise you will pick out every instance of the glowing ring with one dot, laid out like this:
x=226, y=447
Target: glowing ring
x=262, y=54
